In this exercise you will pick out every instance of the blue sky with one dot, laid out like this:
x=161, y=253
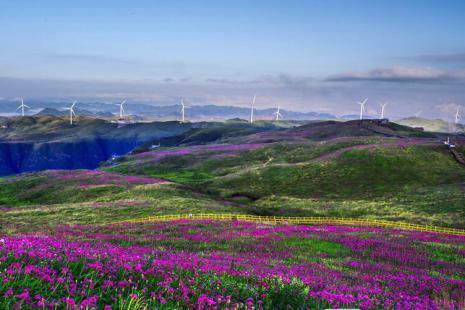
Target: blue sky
x=309, y=55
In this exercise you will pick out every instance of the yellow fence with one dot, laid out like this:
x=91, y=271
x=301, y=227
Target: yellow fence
x=297, y=220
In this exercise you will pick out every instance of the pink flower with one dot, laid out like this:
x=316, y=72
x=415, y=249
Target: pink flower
x=8, y=293
x=70, y=303
x=24, y=295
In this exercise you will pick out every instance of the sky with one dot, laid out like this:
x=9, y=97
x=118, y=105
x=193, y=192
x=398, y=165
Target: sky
x=304, y=55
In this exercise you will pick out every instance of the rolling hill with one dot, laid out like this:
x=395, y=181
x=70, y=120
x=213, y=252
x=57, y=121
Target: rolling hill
x=370, y=170
x=65, y=225
x=34, y=143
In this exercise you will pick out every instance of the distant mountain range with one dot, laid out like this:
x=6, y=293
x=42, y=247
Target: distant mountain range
x=150, y=112
x=56, y=112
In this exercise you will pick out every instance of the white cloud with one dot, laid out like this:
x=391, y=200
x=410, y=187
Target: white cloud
x=399, y=75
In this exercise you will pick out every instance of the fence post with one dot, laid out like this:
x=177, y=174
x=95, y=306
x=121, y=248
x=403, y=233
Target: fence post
x=296, y=220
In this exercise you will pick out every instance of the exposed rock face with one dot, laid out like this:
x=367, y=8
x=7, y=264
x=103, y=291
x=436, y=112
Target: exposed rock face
x=20, y=157
x=29, y=147
x=34, y=143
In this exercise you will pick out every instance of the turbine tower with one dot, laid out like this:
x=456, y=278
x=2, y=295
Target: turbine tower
x=417, y=114
x=71, y=112
x=383, y=106
x=121, y=109
x=457, y=115
x=362, y=107
x=183, y=111
x=22, y=106
x=251, y=108
x=277, y=114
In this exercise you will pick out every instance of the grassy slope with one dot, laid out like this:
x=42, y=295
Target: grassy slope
x=141, y=201
x=46, y=128
x=50, y=198
x=360, y=176
x=416, y=183
x=363, y=173
x=197, y=167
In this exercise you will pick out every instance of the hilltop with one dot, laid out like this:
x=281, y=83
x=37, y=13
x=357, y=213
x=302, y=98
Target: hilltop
x=34, y=143
x=62, y=112
x=432, y=125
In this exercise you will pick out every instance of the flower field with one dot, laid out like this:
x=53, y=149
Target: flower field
x=231, y=265
x=196, y=150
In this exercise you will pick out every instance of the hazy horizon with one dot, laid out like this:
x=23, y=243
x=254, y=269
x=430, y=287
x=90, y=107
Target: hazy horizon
x=320, y=56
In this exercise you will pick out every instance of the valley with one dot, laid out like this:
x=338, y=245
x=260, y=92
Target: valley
x=47, y=142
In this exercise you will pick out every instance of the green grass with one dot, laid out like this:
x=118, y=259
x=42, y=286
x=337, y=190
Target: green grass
x=359, y=173
x=30, y=191
x=11, y=193
x=435, y=205
x=193, y=169
x=420, y=184
x=138, y=202
x=315, y=246
x=446, y=252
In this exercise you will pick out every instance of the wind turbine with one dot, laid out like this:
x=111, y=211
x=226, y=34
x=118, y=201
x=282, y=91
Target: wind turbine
x=183, y=111
x=383, y=106
x=457, y=115
x=121, y=109
x=277, y=114
x=251, y=108
x=417, y=114
x=71, y=112
x=362, y=107
x=22, y=106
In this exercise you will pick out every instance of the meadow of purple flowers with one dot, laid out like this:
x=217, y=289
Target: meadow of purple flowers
x=199, y=149
x=231, y=265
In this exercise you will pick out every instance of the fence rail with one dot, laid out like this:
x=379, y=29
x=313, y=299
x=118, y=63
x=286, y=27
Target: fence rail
x=296, y=220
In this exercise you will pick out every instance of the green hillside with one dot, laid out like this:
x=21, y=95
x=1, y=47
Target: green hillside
x=368, y=170
x=355, y=173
